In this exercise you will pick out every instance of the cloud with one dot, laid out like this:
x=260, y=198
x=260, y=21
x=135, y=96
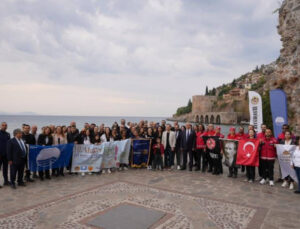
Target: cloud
x=149, y=56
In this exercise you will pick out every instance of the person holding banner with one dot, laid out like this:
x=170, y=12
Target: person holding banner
x=250, y=170
x=208, y=162
x=59, y=138
x=268, y=156
x=288, y=181
x=230, y=148
x=241, y=134
x=295, y=163
x=45, y=139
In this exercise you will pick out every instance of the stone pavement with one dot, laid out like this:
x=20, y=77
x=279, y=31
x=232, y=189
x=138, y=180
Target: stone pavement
x=171, y=199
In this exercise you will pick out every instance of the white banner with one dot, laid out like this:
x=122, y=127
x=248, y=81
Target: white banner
x=284, y=153
x=93, y=158
x=87, y=158
x=255, y=109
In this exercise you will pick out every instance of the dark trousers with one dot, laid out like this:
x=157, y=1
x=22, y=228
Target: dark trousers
x=17, y=169
x=267, y=169
x=208, y=162
x=200, y=158
x=176, y=154
x=46, y=172
x=150, y=157
x=233, y=170
x=168, y=157
x=260, y=168
x=297, y=171
x=58, y=171
x=250, y=170
x=4, y=165
x=216, y=165
x=157, y=161
x=185, y=153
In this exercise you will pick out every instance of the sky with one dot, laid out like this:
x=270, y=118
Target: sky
x=127, y=58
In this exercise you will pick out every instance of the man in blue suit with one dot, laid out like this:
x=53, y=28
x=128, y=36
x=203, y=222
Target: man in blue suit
x=4, y=137
x=188, y=141
x=16, y=156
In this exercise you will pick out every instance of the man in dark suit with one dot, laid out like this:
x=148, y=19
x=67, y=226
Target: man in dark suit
x=188, y=138
x=4, y=137
x=16, y=156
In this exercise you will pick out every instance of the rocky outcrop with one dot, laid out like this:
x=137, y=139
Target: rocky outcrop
x=285, y=73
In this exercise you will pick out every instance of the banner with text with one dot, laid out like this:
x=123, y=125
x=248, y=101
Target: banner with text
x=140, y=152
x=255, y=109
x=87, y=158
x=49, y=157
x=284, y=153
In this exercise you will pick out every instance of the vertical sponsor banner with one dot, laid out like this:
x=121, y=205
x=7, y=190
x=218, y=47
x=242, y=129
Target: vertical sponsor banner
x=230, y=148
x=279, y=110
x=87, y=158
x=140, y=152
x=248, y=152
x=284, y=153
x=49, y=157
x=255, y=109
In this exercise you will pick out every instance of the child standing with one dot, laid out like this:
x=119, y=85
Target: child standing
x=158, y=153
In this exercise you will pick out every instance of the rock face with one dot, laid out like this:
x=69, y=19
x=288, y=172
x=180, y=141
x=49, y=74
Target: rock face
x=285, y=73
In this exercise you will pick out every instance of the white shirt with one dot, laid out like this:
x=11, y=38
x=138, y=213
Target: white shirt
x=295, y=158
x=21, y=143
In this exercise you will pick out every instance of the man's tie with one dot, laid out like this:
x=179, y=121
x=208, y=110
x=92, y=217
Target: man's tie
x=22, y=147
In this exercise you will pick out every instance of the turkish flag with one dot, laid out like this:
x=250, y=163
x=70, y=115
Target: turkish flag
x=248, y=152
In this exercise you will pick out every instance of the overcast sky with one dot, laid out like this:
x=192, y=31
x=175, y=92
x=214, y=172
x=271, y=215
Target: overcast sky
x=133, y=57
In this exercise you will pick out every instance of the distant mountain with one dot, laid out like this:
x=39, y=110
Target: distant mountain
x=18, y=113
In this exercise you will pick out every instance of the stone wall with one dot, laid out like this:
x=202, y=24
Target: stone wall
x=203, y=103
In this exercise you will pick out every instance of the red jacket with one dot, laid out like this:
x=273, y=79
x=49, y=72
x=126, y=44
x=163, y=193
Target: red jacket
x=241, y=136
x=268, y=148
x=210, y=133
x=261, y=135
x=231, y=137
x=200, y=144
x=162, y=151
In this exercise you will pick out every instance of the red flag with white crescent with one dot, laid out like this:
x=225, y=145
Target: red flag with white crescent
x=248, y=152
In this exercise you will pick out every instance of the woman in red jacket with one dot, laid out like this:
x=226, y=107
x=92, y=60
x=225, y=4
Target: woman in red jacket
x=268, y=156
x=250, y=170
x=200, y=147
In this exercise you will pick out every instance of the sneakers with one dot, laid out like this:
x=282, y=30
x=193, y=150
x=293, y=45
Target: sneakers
x=83, y=174
x=178, y=167
x=284, y=184
x=263, y=181
x=291, y=186
x=125, y=168
x=271, y=183
x=108, y=171
x=250, y=181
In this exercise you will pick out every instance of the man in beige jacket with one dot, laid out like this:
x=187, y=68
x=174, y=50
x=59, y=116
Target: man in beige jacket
x=169, y=141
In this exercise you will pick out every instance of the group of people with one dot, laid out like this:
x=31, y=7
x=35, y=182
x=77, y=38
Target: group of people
x=172, y=147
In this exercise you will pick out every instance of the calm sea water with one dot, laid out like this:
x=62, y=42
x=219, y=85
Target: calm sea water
x=16, y=121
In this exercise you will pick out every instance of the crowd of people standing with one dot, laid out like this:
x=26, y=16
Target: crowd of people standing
x=172, y=147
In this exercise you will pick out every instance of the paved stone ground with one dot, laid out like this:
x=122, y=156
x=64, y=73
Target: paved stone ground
x=186, y=199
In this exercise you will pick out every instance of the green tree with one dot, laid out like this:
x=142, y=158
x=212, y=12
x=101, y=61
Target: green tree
x=267, y=116
x=185, y=110
x=206, y=90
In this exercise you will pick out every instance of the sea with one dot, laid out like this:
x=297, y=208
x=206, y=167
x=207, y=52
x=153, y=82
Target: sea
x=16, y=121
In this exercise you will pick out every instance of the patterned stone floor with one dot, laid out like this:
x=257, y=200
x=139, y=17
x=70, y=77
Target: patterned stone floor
x=187, y=199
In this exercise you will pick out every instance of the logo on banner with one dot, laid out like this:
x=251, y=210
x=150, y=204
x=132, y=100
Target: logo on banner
x=255, y=100
x=249, y=148
x=47, y=157
x=279, y=120
x=211, y=143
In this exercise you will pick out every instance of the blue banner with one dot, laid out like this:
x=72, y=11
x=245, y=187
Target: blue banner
x=49, y=157
x=279, y=110
x=140, y=152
